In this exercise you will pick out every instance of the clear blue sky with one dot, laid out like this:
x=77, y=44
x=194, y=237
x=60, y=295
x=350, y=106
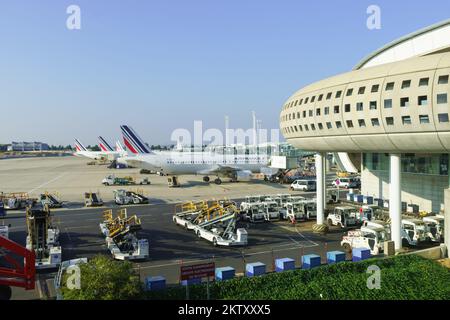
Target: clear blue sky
x=160, y=65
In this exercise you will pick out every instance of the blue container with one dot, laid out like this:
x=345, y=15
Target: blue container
x=191, y=282
x=359, y=198
x=255, y=269
x=155, y=283
x=360, y=254
x=335, y=256
x=310, y=261
x=350, y=196
x=224, y=273
x=368, y=199
x=284, y=264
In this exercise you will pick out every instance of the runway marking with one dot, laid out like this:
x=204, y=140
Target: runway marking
x=48, y=182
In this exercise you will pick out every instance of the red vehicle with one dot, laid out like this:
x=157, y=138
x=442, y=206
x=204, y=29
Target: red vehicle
x=12, y=272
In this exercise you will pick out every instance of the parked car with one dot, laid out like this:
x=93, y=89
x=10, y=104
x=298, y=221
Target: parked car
x=347, y=183
x=303, y=185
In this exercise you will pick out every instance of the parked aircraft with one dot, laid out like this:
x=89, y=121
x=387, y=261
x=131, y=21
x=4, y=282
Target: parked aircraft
x=181, y=162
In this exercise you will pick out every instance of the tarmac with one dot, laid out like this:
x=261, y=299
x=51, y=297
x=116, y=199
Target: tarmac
x=170, y=245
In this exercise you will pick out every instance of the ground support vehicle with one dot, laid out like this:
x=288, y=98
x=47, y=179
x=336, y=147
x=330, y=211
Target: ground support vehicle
x=43, y=237
x=222, y=231
x=92, y=199
x=124, y=197
x=343, y=216
x=112, y=180
x=50, y=200
x=254, y=212
x=272, y=210
x=370, y=237
x=16, y=200
x=413, y=232
x=434, y=226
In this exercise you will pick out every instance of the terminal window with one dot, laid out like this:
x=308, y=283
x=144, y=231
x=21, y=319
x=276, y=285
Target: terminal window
x=304, y=113
x=388, y=103
x=313, y=98
x=318, y=112
x=424, y=119
x=326, y=110
x=373, y=105
x=443, y=117
x=422, y=100
x=336, y=109
x=306, y=100
x=375, y=88
x=406, y=84
x=406, y=120
x=347, y=107
x=338, y=94
x=359, y=106
x=361, y=90
x=443, y=79
x=423, y=82
x=442, y=98
x=375, y=122
x=329, y=95
x=320, y=125
x=310, y=113
x=320, y=97
x=404, y=102
x=349, y=92
x=349, y=124
x=338, y=124
x=361, y=123
x=390, y=121
x=390, y=86
x=313, y=127
x=329, y=126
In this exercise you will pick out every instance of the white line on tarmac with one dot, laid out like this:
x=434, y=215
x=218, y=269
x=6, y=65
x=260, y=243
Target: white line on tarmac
x=218, y=257
x=48, y=182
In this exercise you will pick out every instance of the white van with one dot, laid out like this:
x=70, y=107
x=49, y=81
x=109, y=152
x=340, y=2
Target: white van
x=303, y=185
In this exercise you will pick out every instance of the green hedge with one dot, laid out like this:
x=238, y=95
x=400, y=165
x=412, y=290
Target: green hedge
x=402, y=277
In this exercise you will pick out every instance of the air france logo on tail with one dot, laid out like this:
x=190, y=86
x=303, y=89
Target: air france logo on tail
x=104, y=145
x=79, y=146
x=133, y=142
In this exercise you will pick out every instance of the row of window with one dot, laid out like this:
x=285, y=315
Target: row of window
x=423, y=82
x=406, y=120
x=441, y=98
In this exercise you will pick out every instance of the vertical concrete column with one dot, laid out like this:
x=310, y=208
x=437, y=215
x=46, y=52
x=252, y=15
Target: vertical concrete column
x=447, y=220
x=320, y=187
x=395, y=200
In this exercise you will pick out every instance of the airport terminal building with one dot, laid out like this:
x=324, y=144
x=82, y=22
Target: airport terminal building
x=392, y=110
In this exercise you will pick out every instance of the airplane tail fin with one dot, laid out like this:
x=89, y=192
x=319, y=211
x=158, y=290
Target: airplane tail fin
x=105, y=145
x=79, y=146
x=119, y=147
x=133, y=142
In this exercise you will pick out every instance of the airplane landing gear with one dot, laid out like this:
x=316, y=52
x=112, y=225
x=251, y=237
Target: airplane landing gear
x=218, y=181
x=205, y=179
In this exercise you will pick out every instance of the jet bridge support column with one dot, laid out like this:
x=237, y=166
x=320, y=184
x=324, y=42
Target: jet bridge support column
x=395, y=200
x=320, y=187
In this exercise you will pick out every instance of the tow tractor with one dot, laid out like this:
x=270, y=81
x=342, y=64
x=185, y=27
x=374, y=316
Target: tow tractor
x=413, y=232
x=112, y=180
x=51, y=200
x=248, y=202
x=121, y=238
x=434, y=228
x=123, y=197
x=92, y=199
x=343, y=216
x=255, y=212
x=272, y=210
x=221, y=231
x=370, y=237
x=43, y=237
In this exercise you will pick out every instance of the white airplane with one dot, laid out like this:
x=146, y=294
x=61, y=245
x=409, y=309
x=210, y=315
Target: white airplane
x=233, y=166
x=107, y=153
